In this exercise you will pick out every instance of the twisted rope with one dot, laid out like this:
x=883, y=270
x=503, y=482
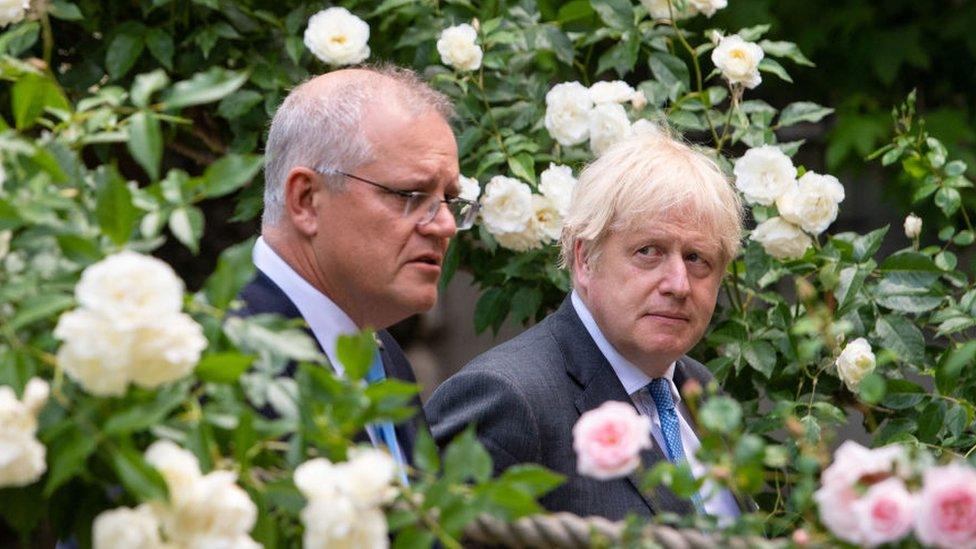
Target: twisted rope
x=568, y=531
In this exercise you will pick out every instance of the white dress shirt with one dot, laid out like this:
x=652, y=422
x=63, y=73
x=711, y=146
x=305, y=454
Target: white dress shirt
x=720, y=503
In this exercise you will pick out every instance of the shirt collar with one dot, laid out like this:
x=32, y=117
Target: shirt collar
x=631, y=377
x=326, y=320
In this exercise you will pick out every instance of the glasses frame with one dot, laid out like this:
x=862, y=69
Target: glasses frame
x=419, y=197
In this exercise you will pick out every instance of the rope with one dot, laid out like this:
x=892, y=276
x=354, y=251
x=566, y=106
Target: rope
x=568, y=531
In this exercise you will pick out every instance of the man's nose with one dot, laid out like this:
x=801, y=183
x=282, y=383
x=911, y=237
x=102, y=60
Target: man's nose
x=442, y=225
x=674, y=277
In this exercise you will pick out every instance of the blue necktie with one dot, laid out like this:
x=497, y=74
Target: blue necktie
x=660, y=390
x=384, y=431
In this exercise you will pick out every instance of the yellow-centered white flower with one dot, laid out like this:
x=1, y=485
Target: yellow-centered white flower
x=21, y=454
x=458, y=48
x=738, y=61
x=763, y=174
x=337, y=37
x=781, y=239
x=812, y=203
x=568, y=107
x=855, y=362
x=506, y=205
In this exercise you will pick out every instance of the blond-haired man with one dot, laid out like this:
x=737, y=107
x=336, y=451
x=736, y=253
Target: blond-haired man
x=651, y=228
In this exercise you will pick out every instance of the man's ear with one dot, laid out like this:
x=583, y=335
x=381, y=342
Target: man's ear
x=301, y=188
x=581, y=267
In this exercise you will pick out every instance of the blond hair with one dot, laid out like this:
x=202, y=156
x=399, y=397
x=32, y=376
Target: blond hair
x=648, y=176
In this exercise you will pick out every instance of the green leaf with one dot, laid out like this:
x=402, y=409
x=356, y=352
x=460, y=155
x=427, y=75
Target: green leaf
x=355, y=353
x=867, y=245
x=30, y=95
x=533, y=479
x=526, y=303
x=908, y=261
x=930, y=421
x=621, y=57
x=425, y=453
x=43, y=306
x=617, y=14
x=79, y=249
x=669, y=71
x=948, y=200
x=751, y=34
x=902, y=394
x=230, y=173
x=143, y=416
x=146, y=142
x=772, y=66
x=490, y=310
x=124, y=49
x=224, y=367
x=872, y=388
x=522, y=166
x=761, y=356
x=186, y=224
x=412, y=537
x=238, y=103
x=137, y=476
x=20, y=38
x=147, y=84
x=466, y=459
x=901, y=336
x=721, y=414
x=851, y=281
x=802, y=111
x=67, y=454
x=952, y=365
x=204, y=87
x=957, y=419
x=234, y=269
x=65, y=11
x=160, y=45
x=785, y=49
x=114, y=210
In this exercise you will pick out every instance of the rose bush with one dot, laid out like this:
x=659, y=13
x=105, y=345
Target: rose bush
x=122, y=124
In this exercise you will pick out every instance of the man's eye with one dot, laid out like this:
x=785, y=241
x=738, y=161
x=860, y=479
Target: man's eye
x=647, y=250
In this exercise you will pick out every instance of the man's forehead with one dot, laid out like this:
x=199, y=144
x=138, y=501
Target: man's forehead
x=679, y=227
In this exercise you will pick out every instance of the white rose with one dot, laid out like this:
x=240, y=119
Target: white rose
x=855, y=362
x=568, y=107
x=738, y=60
x=470, y=188
x=458, y=48
x=913, y=226
x=519, y=241
x=166, y=351
x=506, y=205
x=812, y=202
x=130, y=289
x=616, y=91
x=96, y=353
x=317, y=478
x=337, y=37
x=367, y=477
x=212, y=508
x=557, y=183
x=12, y=11
x=708, y=7
x=547, y=222
x=212, y=542
x=21, y=454
x=764, y=174
x=659, y=9
x=638, y=100
x=781, y=239
x=179, y=468
x=608, y=125
x=124, y=528
x=337, y=524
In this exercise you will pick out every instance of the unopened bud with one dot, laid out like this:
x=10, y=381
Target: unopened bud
x=691, y=390
x=801, y=537
x=476, y=24
x=913, y=226
x=638, y=100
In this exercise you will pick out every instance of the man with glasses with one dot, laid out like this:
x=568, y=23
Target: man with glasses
x=360, y=202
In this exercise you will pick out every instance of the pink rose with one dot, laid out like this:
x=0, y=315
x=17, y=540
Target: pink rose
x=836, y=505
x=608, y=440
x=885, y=512
x=946, y=515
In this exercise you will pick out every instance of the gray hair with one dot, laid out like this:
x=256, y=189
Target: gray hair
x=325, y=129
x=646, y=176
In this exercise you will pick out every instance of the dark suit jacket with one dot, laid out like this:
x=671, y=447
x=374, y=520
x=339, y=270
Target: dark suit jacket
x=261, y=295
x=525, y=396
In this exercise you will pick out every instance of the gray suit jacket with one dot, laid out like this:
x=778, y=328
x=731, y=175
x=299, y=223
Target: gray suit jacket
x=525, y=396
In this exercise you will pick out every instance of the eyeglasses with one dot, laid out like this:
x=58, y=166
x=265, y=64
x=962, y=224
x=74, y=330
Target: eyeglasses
x=464, y=211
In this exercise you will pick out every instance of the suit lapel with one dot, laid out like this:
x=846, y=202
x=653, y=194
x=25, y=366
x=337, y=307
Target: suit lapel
x=599, y=383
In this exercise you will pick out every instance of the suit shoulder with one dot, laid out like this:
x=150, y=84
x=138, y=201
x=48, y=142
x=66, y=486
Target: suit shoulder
x=696, y=370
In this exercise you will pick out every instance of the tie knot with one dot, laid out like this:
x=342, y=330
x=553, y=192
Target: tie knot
x=660, y=390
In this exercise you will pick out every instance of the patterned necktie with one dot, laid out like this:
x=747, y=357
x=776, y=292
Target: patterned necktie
x=384, y=431
x=660, y=390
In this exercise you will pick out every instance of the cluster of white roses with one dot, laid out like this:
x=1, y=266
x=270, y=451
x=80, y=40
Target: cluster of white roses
x=682, y=9
x=203, y=510
x=21, y=454
x=458, y=48
x=738, y=61
x=12, y=11
x=129, y=327
x=521, y=220
x=575, y=113
x=345, y=499
x=766, y=176
x=337, y=37
x=864, y=499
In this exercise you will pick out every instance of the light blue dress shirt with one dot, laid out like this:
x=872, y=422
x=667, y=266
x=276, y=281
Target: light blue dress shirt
x=717, y=503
